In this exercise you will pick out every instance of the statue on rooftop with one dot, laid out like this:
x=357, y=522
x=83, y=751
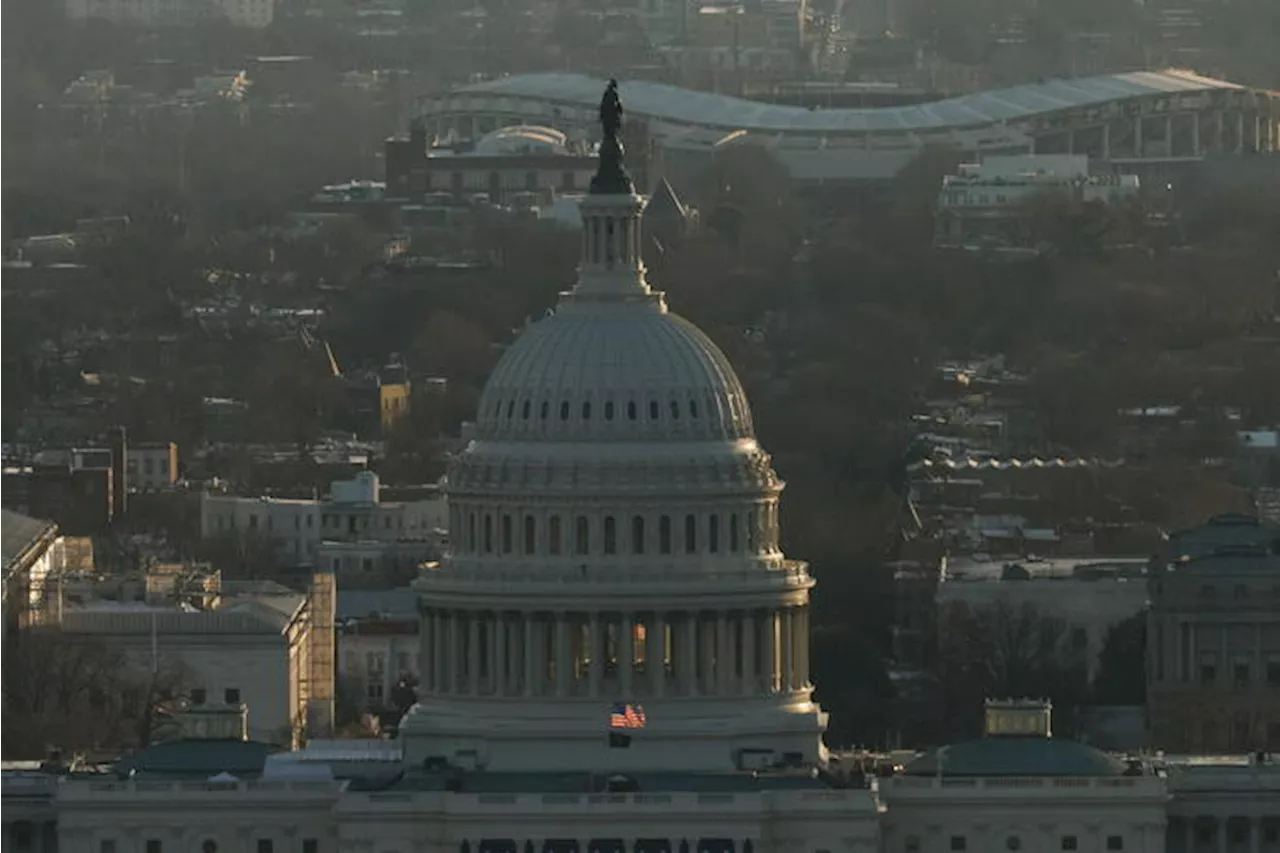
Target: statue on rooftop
x=611, y=177
x=611, y=111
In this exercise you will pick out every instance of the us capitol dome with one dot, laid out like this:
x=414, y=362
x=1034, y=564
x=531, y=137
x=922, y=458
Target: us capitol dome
x=614, y=542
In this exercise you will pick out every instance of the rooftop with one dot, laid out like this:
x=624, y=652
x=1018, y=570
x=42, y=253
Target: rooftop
x=19, y=532
x=707, y=109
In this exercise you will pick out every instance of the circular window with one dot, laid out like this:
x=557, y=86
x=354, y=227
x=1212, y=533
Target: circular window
x=1013, y=842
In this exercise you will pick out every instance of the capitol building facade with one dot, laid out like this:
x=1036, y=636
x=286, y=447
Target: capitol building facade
x=615, y=547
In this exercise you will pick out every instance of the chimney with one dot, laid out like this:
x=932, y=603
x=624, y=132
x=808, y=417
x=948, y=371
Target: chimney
x=119, y=467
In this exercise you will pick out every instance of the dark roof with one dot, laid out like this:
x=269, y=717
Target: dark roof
x=1016, y=756
x=664, y=203
x=18, y=532
x=1225, y=531
x=586, y=783
x=198, y=759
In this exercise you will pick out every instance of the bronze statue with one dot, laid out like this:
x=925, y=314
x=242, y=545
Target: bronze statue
x=611, y=111
x=612, y=175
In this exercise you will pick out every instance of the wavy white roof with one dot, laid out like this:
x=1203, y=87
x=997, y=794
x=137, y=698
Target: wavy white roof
x=660, y=101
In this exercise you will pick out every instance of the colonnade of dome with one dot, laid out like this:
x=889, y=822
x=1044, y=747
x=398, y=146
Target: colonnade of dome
x=705, y=653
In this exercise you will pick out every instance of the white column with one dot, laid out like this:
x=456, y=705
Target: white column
x=724, y=653
x=787, y=630
x=1195, y=135
x=502, y=634
x=655, y=653
x=627, y=653
x=562, y=654
x=473, y=653
x=750, y=683
x=802, y=646
x=707, y=653
x=687, y=648
x=495, y=675
x=595, y=671
x=1255, y=836
x=455, y=652
x=769, y=649
x=437, y=653
x=424, y=651
x=530, y=671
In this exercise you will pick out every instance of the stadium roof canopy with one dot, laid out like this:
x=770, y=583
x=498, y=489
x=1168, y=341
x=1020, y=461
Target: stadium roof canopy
x=660, y=101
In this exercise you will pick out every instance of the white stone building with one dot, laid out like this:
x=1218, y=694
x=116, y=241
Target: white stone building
x=263, y=649
x=378, y=643
x=152, y=466
x=1089, y=596
x=615, y=543
x=363, y=526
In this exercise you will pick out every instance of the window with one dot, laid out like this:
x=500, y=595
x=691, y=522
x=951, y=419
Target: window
x=154, y=845
x=366, y=564
x=586, y=411
x=530, y=535
x=581, y=536
x=553, y=535
x=1240, y=674
x=525, y=409
x=488, y=534
x=208, y=846
x=1069, y=842
x=265, y=845
x=1013, y=842
x=690, y=534
x=1208, y=673
x=107, y=845
x=664, y=534
x=376, y=662
x=231, y=696
x=713, y=534
x=544, y=409
x=675, y=411
x=564, y=411
x=608, y=411
x=310, y=845
x=402, y=663
x=1273, y=673
x=610, y=535
x=958, y=843
x=198, y=696
x=693, y=409
x=631, y=410
x=1241, y=591
x=471, y=532
x=637, y=535
x=911, y=844
x=506, y=534
x=373, y=691
x=1115, y=842
x=733, y=532
x=1207, y=591
x=1079, y=639
x=653, y=410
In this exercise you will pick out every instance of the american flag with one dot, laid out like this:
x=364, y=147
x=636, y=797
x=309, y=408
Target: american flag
x=627, y=716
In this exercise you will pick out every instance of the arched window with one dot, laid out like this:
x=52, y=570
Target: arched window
x=581, y=536
x=713, y=534
x=511, y=407
x=471, y=533
x=545, y=408
x=631, y=410
x=524, y=410
x=675, y=411
x=586, y=411
x=506, y=534
x=610, y=535
x=637, y=535
x=653, y=410
x=488, y=533
x=733, y=533
x=693, y=409
x=564, y=410
x=664, y=534
x=751, y=531
x=208, y=846
x=690, y=534
x=553, y=535
x=530, y=535
x=608, y=410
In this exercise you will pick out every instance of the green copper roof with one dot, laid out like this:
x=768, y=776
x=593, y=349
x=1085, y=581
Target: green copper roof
x=1016, y=756
x=198, y=759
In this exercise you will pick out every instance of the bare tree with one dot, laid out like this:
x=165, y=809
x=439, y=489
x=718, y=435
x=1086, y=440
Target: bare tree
x=77, y=693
